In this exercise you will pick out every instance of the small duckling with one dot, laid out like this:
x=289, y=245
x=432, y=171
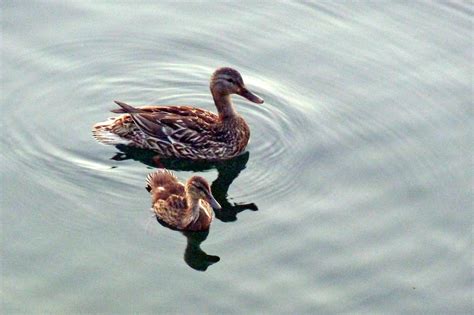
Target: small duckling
x=184, y=207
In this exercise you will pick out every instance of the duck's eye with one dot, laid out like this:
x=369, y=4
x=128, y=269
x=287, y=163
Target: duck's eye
x=230, y=81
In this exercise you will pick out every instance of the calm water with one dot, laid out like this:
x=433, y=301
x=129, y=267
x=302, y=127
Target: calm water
x=355, y=194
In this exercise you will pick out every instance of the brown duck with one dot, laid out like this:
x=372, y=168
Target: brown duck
x=185, y=131
x=184, y=207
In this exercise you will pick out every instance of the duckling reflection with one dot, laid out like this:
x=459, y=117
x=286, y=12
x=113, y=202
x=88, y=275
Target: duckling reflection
x=228, y=171
x=194, y=256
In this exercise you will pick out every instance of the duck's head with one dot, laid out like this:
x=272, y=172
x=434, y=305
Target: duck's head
x=226, y=81
x=198, y=188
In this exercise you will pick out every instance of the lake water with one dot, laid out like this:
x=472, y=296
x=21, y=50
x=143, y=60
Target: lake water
x=355, y=194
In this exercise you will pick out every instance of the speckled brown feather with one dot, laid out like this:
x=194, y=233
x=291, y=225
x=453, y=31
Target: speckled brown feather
x=185, y=131
x=162, y=184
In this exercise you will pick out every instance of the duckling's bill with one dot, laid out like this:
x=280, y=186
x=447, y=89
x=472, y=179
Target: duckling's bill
x=213, y=202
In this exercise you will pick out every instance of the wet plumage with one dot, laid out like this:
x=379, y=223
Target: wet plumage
x=185, y=131
x=184, y=207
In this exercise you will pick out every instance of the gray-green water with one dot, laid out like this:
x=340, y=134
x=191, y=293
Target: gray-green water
x=359, y=161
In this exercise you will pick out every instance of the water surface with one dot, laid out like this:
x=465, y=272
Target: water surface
x=354, y=196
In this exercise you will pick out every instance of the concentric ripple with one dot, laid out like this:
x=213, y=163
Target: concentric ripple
x=50, y=130
x=357, y=159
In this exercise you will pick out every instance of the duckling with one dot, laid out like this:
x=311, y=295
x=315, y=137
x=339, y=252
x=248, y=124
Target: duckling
x=183, y=207
x=184, y=131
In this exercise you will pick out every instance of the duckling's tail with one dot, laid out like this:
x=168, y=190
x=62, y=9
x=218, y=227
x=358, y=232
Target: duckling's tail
x=159, y=179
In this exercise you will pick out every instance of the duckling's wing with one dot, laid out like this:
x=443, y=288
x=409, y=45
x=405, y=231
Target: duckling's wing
x=177, y=203
x=173, y=211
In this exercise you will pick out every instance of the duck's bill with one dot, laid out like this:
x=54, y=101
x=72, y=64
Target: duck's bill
x=213, y=202
x=250, y=96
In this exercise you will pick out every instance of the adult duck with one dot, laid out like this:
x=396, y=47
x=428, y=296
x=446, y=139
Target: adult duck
x=184, y=207
x=185, y=131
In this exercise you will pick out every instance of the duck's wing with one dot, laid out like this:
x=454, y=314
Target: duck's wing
x=173, y=124
x=176, y=109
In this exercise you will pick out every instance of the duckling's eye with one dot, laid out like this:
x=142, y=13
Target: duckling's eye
x=200, y=188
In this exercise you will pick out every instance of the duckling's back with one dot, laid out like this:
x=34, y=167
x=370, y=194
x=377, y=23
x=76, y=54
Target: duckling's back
x=162, y=184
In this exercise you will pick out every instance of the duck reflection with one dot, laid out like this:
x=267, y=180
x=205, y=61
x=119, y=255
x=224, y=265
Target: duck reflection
x=228, y=171
x=194, y=256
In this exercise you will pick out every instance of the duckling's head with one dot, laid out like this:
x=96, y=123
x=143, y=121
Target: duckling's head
x=198, y=188
x=226, y=81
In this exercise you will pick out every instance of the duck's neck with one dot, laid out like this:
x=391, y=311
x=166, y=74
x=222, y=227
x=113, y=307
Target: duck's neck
x=224, y=105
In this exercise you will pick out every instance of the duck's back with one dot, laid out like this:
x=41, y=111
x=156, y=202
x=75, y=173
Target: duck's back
x=176, y=131
x=178, y=111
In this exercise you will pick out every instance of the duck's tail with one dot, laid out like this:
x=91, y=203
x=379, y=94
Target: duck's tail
x=106, y=131
x=103, y=132
x=125, y=108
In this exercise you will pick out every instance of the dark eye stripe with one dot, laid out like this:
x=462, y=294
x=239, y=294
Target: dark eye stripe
x=200, y=187
x=227, y=78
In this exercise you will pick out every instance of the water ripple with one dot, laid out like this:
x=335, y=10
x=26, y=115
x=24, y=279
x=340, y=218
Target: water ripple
x=47, y=130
